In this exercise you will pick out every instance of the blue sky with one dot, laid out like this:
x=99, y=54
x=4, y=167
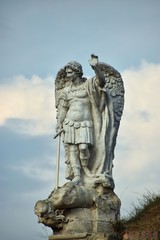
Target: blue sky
x=37, y=38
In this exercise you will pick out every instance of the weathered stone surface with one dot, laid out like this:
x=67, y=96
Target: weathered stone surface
x=73, y=209
x=70, y=236
x=79, y=236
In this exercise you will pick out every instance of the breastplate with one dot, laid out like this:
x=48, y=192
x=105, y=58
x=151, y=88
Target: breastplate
x=77, y=92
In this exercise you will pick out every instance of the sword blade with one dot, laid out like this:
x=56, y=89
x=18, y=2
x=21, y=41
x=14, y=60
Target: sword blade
x=58, y=160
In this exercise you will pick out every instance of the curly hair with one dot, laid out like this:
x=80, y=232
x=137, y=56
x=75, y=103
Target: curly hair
x=76, y=67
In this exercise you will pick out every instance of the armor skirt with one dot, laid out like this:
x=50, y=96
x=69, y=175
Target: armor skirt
x=78, y=132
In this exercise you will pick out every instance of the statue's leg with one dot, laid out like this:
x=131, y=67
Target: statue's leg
x=84, y=157
x=75, y=163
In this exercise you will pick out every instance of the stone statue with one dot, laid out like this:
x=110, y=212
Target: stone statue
x=89, y=112
x=88, y=117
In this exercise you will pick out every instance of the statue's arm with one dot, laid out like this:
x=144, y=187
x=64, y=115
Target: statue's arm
x=60, y=118
x=62, y=111
x=99, y=74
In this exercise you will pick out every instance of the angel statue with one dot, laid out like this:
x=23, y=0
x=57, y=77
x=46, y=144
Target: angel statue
x=88, y=116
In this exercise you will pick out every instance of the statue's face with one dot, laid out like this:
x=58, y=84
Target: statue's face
x=71, y=74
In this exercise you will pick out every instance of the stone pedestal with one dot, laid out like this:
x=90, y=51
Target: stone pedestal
x=69, y=236
x=85, y=236
x=79, y=236
x=78, y=212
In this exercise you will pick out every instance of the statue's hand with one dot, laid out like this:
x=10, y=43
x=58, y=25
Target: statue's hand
x=58, y=127
x=93, y=60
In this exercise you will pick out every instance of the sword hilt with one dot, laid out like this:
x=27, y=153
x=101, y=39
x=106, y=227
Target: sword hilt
x=59, y=133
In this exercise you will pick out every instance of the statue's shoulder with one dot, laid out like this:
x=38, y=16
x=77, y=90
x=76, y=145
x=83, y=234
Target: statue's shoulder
x=67, y=89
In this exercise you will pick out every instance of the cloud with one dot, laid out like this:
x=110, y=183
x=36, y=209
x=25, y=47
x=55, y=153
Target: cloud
x=137, y=151
x=27, y=105
x=36, y=170
x=140, y=123
x=41, y=170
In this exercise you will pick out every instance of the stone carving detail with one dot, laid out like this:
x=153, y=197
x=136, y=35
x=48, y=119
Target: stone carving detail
x=48, y=215
x=88, y=118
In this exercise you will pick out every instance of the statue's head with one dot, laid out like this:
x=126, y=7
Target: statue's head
x=76, y=67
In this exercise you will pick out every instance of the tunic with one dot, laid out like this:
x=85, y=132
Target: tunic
x=78, y=132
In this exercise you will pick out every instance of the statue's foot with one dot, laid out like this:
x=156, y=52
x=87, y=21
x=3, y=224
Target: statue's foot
x=76, y=180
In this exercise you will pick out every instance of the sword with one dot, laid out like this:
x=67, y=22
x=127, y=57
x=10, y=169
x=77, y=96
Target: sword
x=58, y=156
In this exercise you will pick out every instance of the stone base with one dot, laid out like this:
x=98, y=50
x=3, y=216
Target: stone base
x=79, y=236
x=69, y=236
x=78, y=212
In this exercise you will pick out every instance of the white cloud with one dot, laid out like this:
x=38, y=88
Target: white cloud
x=28, y=100
x=137, y=157
x=140, y=123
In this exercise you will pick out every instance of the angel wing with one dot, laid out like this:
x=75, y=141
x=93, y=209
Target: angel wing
x=61, y=82
x=114, y=87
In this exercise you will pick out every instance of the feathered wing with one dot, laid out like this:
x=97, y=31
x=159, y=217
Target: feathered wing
x=115, y=87
x=111, y=108
x=61, y=82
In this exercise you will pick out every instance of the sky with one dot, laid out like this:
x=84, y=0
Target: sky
x=37, y=38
